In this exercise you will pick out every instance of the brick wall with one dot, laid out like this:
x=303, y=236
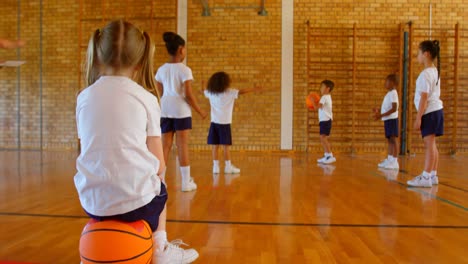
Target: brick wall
x=369, y=92
x=234, y=39
x=248, y=47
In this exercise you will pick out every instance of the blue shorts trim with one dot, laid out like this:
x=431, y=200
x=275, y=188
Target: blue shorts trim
x=175, y=124
x=391, y=128
x=432, y=123
x=219, y=134
x=150, y=212
x=325, y=127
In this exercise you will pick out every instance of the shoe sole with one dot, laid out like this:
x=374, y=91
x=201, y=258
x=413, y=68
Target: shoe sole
x=421, y=186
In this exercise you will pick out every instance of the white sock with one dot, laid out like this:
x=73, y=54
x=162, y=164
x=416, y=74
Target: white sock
x=329, y=154
x=185, y=173
x=433, y=173
x=216, y=163
x=228, y=163
x=390, y=158
x=426, y=174
x=160, y=238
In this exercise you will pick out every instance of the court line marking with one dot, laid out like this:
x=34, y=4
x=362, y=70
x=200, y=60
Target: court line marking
x=256, y=223
x=453, y=187
x=419, y=190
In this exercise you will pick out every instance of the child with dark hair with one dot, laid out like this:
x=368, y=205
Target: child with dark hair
x=325, y=114
x=174, y=82
x=430, y=117
x=222, y=98
x=389, y=114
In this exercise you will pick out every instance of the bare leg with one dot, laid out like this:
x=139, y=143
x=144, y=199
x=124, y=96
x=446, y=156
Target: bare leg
x=215, y=152
x=430, y=149
x=325, y=143
x=167, y=140
x=227, y=152
x=436, y=157
x=182, y=139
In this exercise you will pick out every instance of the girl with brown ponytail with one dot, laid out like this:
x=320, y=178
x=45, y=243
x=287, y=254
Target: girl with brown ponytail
x=430, y=117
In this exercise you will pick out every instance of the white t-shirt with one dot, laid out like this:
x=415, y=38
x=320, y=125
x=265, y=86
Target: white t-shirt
x=427, y=83
x=173, y=77
x=390, y=98
x=222, y=105
x=325, y=113
x=116, y=171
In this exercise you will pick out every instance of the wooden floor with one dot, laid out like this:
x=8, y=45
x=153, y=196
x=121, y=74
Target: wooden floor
x=282, y=208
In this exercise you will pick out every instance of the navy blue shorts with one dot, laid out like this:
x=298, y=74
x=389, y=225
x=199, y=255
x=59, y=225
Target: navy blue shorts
x=325, y=127
x=150, y=212
x=219, y=134
x=391, y=128
x=174, y=124
x=432, y=123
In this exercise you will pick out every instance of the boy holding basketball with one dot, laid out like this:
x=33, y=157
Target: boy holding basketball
x=389, y=114
x=325, y=119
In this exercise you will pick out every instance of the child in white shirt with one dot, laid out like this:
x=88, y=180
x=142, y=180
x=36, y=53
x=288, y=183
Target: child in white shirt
x=389, y=114
x=222, y=98
x=325, y=115
x=118, y=125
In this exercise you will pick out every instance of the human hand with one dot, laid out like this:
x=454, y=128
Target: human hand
x=417, y=124
x=203, y=114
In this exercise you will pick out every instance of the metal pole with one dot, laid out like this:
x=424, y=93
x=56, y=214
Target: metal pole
x=404, y=110
x=18, y=79
x=455, y=87
x=40, y=79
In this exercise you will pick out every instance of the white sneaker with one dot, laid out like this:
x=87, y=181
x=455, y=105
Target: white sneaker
x=435, y=180
x=215, y=169
x=392, y=165
x=174, y=254
x=383, y=163
x=420, y=181
x=329, y=160
x=322, y=159
x=231, y=169
x=189, y=186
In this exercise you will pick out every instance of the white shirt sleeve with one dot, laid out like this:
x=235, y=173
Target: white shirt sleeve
x=187, y=75
x=423, y=85
x=154, y=117
x=207, y=94
x=394, y=97
x=323, y=100
x=234, y=93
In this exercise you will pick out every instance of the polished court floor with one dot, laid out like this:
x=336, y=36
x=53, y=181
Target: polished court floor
x=282, y=208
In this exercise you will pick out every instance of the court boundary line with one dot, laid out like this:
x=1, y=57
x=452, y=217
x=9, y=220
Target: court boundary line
x=453, y=187
x=216, y=222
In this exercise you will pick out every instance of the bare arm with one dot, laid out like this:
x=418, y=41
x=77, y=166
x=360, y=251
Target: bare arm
x=250, y=90
x=421, y=110
x=160, y=88
x=8, y=44
x=155, y=147
x=192, y=100
x=389, y=112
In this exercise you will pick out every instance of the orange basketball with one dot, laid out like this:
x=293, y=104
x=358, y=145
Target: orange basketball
x=116, y=242
x=313, y=96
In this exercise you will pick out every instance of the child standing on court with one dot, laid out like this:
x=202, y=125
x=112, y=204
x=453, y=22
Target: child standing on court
x=222, y=98
x=325, y=119
x=121, y=155
x=174, y=82
x=389, y=114
x=430, y=117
